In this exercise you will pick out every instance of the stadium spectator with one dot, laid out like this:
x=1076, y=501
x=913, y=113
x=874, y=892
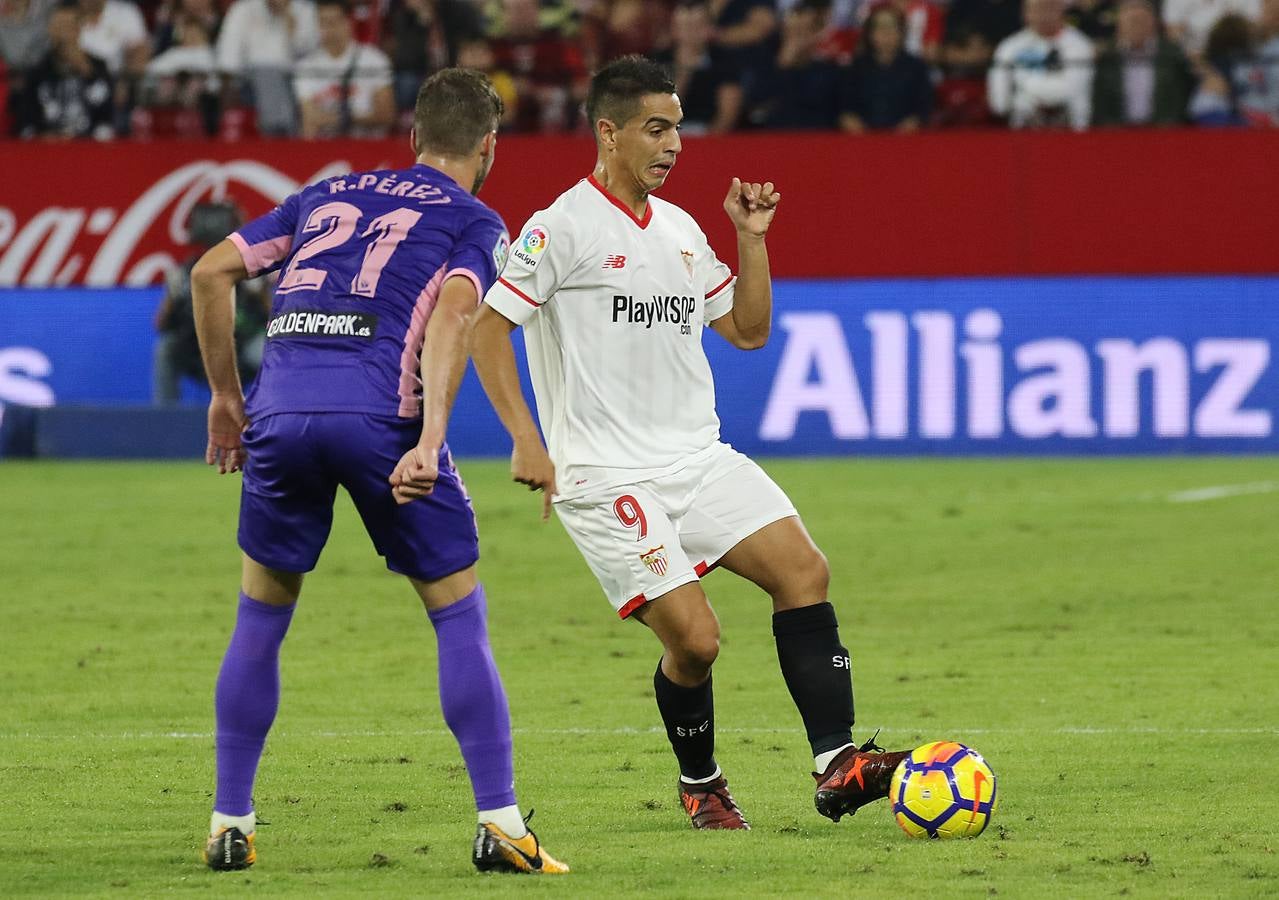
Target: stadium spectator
x=1191, y=21
x=24, y=32
x=1223, y=70
x=115, y=32
x=170, y=20
x=710, y=96
x=802, y=91
x=1259, y=76
x=1141, y=78
x=69, y=93
x=1042, y=75
x=925, y=25
x=613, y=28
x=478, y=55
x=423, y=36
x=177, y=353
x=745, y=35
x=885, y=87
x=842, y=28
x=259, y=44
x=548, y=68
x=994, y=20
x=181, y=92
x=561, y=16
x=344, y=88
x=960, y=98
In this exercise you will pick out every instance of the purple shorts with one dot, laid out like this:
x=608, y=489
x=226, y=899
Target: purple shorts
x=296, y=462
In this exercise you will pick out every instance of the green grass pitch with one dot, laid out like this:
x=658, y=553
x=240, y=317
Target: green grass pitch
x=1106, y=640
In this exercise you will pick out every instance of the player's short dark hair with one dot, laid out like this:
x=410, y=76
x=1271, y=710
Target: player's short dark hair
x=455, y=109
x=616, y=89
x=343, y=5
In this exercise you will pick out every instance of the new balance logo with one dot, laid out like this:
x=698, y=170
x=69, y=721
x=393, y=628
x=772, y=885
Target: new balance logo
x=614, y=262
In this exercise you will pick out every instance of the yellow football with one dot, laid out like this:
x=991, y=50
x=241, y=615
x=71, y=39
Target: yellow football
x=943, y=790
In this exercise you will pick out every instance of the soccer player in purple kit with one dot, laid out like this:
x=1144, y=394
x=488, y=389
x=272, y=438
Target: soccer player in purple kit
x=365, y=349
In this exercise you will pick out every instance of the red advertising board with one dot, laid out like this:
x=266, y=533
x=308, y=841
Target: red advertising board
x=981, y=203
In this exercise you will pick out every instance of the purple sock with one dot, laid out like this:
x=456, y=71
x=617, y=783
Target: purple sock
x=473, y=699
x=248, y=694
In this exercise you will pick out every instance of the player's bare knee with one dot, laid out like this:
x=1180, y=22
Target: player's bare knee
x=817, y=569
x=697, y=650
x=806, y=581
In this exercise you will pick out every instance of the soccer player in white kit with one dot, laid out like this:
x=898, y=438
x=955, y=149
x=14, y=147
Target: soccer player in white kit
x=613, y=287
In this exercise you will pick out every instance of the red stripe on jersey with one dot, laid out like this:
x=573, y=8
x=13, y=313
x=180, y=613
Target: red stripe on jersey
x=723, y=284
x=648, y=207
x=523, y=296
x=631, y=605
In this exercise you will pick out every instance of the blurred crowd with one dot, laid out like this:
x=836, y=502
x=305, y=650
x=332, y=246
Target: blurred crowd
x=324, y=68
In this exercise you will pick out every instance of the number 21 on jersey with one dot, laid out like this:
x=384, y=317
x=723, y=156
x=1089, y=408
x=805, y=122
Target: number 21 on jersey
x=336, y=223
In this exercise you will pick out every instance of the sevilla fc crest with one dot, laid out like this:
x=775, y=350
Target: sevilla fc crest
x=655, y=559
x=687, y=256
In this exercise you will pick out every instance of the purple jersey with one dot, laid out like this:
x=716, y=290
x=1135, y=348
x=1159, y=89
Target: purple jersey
x=364, y=257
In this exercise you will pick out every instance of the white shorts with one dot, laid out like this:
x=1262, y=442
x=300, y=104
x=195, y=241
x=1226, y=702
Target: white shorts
x=643, y=540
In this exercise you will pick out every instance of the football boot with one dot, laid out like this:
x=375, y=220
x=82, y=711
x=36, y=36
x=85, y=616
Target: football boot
x=709, y=805
x=857, y=776
x=230, y=850
x=495, y=851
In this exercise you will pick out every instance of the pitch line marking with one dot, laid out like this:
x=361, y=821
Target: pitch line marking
x=1221, y=491
x=622, y=732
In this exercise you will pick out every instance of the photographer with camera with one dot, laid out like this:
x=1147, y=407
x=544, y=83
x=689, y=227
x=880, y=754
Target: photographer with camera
x=177, y=354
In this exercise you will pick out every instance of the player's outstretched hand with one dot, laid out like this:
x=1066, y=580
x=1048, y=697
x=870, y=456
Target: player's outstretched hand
x=415, y=474
x=751, y=206
x=226, y=424
x=531, y=465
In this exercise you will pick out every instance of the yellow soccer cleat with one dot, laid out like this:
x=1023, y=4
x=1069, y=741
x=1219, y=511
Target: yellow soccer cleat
x=496, y=852
x=230, y=850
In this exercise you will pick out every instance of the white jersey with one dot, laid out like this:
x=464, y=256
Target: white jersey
x=613, y=308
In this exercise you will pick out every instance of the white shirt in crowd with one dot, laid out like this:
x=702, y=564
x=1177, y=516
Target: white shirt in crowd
x=1198, y=16
x=1032, y=74
x=117, y=30
x=186, y=61
x=363, y=68
x=253, y=37
x=613, y=309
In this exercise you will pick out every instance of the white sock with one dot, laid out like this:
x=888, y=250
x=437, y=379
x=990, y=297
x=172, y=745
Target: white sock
x=246, y=824
x=822, y=760
x=507, y=818
x=716, y=774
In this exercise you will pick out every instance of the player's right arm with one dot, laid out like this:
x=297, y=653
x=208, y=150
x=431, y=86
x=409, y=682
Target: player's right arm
x=213, y=281
x=256, y=248
x=494, y=360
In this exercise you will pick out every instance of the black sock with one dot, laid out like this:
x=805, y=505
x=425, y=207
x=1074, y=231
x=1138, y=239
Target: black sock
x=689, y=715
x=818, y=673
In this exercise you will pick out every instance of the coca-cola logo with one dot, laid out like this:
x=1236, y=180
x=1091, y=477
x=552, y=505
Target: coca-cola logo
x=104, y=246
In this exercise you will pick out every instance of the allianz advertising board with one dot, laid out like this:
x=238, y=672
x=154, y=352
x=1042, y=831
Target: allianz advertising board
x=1092, y=365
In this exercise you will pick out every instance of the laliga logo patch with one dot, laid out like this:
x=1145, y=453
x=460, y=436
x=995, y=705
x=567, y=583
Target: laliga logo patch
x=501, y=250
x=655, y=559
x=529, y=250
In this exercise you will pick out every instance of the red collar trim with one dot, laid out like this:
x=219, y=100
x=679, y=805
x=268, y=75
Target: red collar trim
x=648, y=207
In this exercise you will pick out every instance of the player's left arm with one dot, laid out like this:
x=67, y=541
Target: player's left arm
x=213, y=281
x=751, y=207
x=443, y=364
